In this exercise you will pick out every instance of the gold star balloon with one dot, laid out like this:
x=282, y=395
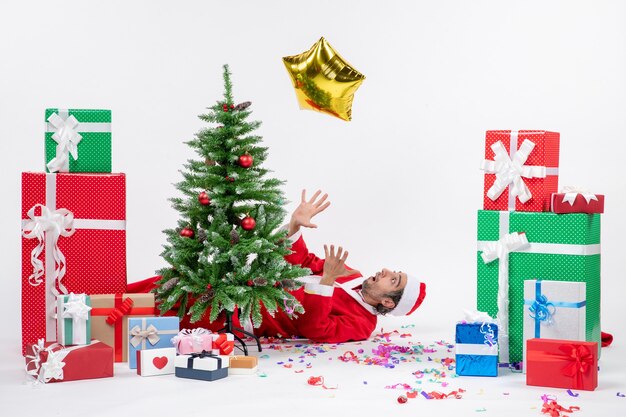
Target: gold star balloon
x=323, y=80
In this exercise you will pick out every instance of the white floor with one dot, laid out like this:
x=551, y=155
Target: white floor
x=281, y=385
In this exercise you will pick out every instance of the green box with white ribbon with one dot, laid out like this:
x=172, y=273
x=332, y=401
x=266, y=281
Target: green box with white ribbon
x=78, y=140
x=518, y=246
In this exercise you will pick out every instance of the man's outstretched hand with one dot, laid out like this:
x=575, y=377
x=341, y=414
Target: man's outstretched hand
x=302, y=215
x=335, y=265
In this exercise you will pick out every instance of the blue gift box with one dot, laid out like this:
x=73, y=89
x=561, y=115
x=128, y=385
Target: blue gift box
x=149, y=333
x=477, y=349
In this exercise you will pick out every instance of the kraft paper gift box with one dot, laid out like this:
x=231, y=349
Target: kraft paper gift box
x=224, y=343
x=193, y=341
x=517, y=246
x=572, y=200
x=562, y=364
x=151, y=362
x=242, y=365
x=477, y=349
x=73, y=240
x=74, y=319
x=205, y=366
x=521, y=169
x=554, y=310
x=149, y=333
x=51, y=362
x=78, y=140
x=109, y=318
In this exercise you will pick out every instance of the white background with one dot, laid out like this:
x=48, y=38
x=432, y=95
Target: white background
x=402, y=175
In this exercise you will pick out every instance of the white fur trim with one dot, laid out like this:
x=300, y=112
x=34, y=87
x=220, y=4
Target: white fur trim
x=409, y=297
x=319, y=289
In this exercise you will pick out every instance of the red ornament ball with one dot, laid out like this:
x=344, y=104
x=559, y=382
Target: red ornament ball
x=187, y=232
x=402, y=399
x=246, y=161
x=250, y=283
x=277, y=284
x=232, y=106
x=230, y=179
x=204, y=199
x=225, y=107
x=248, y=223
x=209, y=286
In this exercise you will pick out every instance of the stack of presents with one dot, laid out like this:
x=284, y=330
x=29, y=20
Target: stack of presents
x=77, y=319
x=538, y=266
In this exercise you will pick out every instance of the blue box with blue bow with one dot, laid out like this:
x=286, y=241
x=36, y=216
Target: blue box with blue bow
x=554, y=310
x=477, y=349
x=150, y=333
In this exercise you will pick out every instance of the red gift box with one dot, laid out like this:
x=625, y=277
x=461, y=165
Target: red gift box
x=577, y=202
x=224, y=343
x=74, y=240
x=51, y=362
x=521, y=169
x=562, y=364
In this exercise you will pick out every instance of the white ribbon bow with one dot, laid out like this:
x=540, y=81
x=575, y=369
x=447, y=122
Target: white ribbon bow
x=500, y=249
x=76, y=308
x=67, y=138
x=572, y=192
x=52, y=368
x=57, y=223
x=151, y=333
x=511, y=171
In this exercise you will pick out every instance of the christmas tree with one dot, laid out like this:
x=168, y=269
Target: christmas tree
x=228, y=250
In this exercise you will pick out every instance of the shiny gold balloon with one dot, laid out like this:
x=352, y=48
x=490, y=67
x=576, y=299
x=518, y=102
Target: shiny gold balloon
x=323, y=80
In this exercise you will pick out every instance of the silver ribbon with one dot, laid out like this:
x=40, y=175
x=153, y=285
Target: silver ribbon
x=67, y=138
x=151, y=334
x=52, y=368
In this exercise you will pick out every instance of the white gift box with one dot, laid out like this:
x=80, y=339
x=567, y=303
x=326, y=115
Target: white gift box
x=152, y=362
x=554, y=310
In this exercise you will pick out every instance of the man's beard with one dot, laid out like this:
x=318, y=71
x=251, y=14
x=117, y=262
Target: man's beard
x=366, y=288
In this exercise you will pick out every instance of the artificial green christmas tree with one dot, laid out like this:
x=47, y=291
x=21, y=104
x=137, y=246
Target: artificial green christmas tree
x=228, y=250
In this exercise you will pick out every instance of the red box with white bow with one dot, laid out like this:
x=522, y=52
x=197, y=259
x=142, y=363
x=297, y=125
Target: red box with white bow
x=521, y=169
x=73, y=240
x=562, y=364
x=575, y=201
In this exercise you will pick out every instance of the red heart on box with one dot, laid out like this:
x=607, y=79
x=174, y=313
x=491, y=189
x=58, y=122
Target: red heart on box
x=160, y=362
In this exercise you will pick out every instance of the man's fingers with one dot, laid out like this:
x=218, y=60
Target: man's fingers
x=303, y=199
x=311, y=225
x=317, y=193
x=332, y=251
x=322, y=208
x=344, y=257
x=325, y=251
x=339, y=252
x=321, y=200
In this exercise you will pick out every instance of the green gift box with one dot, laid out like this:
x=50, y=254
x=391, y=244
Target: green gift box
x=518, y=246
x=78, y=140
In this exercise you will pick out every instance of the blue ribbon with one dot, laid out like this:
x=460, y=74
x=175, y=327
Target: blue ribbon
x=542, y=309
x=488, y=333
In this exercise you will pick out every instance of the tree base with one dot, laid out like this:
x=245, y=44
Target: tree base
x=230, y=328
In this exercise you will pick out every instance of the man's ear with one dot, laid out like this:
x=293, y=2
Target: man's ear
x=387, y=302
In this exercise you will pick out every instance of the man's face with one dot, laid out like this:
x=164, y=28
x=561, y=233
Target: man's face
x=384, y=282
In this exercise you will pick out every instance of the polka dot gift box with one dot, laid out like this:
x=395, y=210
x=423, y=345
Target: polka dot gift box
x=518, y=246
x=521, y=169
x=73, y=240
x=78, y=140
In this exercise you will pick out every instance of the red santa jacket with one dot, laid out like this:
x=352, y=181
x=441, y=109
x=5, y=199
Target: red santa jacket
x=332, y=314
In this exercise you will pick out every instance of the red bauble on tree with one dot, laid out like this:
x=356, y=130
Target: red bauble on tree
x=246, y=161
x=187, y=232
x=225, y=107
x=204, y=199
x=250, y=283
x=248, y=223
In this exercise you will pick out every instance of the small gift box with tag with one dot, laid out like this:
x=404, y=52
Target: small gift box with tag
x=74, y=319
x=193, y=341
x=149, y=333
x=477, y=346
x=562, y=364
x=243, y=365
x=204, y=365
x=151, y=362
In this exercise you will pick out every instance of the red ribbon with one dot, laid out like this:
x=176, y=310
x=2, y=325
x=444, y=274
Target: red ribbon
x=578, y=358
x=554, y=409
x=114, y=318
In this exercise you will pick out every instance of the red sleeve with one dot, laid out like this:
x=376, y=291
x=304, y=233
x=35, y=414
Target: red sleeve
x=302, y=256
x=321, y=326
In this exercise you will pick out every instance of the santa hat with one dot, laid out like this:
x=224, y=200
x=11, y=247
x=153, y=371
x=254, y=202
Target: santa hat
x=412, y=297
